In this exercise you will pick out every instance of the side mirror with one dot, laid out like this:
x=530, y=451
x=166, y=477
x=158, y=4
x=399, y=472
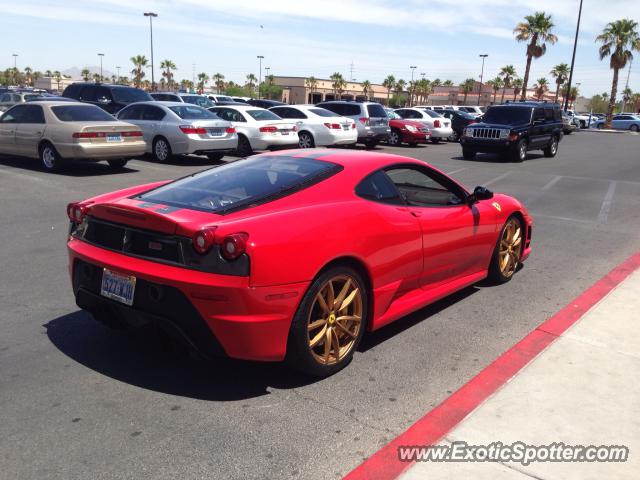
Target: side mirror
x=479, y=193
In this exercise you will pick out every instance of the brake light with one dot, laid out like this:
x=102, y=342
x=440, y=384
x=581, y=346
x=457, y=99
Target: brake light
x=132, y=134
x=231, y=130
x=76, y=212
x=294, y=129
x=269, y=129
x=89, y=135
x=364, y=120
x=436, y=124
x=191, y=130
x=203, y=240
x=353, y=125
x=234, y=245
x=332, y=126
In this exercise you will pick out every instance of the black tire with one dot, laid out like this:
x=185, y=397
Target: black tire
x=244, y=147
x=395, y=138
x=520, y=153
x=495, y=273
x=583, y=124
x=215, y=156
x=305, y=140
x=369, y=144
x=161, y=150
x=300, y=354
x=634, y=128
x=435, y=140
x=600, y=126
x=552, y=148
x=118, y=164
x=468, y=154
x=50, y=159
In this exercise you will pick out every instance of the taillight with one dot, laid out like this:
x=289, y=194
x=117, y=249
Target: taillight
x=353, y=125
x=132, y=134
x=76, y=212
x=436, y=124
x=269, y=129
x=89, y=135
x=332, y=126
x=191, y=130
x=234, y=245
x=231, y=130
x=364, y=120
x=203, y=240
x=294, y=129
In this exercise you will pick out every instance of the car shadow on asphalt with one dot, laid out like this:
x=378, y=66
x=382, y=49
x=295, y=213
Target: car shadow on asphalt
x=188, y=161
x=144, y=358
x=494, y=158
x=73, y=169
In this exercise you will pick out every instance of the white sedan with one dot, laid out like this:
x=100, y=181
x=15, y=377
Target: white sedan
x=319, y=126
x=258, y=128
x=440, y=127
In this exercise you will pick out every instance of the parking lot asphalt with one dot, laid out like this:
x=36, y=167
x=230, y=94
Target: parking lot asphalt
x=80, y=401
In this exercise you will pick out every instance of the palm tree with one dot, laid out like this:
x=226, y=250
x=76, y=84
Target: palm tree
x=541, y=87
x=467, y=87
x=507, y=73
x=618, y=39
x=312, y=84
x=58, y=77
x=251, y=82
x=400, y=86
x=437, y=83
x=218, y=80
x=447, y=83
x=425, y=87
x=85, y=74
x=496, y=85
x=203, y=78
x=517, y=87
x=561, y=73
x=627, y=93
x=139, y=63
x=269, y=81
x=28, y=78
x=537, y=31
x=366, y=88
x=167, y=66
x=572, y=94
x=338, y=84
x=389, y=83
x=96, y=77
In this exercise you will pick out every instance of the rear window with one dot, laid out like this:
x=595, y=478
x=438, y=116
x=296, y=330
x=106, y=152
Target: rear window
x=507, y=115
x=81, y=113
x=193, y=112
x=242, y=184
x=198, y=100
x=28, y=98
x=321, y=112
x=433, y=114
x=130, y=95
x=263, y=115
x=376, y=110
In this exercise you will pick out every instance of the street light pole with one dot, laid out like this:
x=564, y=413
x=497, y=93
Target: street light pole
x=101, y=55
x=118, y=79
x=624, y=102
x=15, y=67
x=151, y=16
x=573, y=60
x=483, y=56
x=413, y=87
x=260, y=57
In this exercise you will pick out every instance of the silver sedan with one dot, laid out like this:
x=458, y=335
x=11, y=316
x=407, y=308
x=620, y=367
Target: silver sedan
x=180, y=128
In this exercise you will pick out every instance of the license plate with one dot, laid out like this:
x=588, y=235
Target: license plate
x=215, y=132
x=118, y=286
x=114, y=138
x=345, y=127
x=284, y=132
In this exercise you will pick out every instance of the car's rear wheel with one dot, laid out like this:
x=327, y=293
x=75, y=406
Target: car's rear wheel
x=118, y=164
x=161, y=150
x=552, y=148
x=370, y=143
x=329, y=323
x=215, y=156
x=435, y=140
x=244, y=147
x=508, y=251
x=305, y=140
x=50, y=159
x=634, y=128
x=395, y=139
x=520, y=152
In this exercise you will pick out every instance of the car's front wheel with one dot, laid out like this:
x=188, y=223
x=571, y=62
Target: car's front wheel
x=329, y=323
x=552, y=148
x=435, y=140
x=520, y=152
x=244, y=147
x=50, y=159
x=370, y=144
x=508, y=251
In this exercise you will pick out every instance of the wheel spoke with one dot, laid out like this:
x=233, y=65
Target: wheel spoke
x=348, y=318
x=317, y=324
x=345, y=330
x=331, y=295
x=503, y=261
x=327, y=345
x=318, y=337
x=517, y=242
x=336, y=344
x=349, y=299
x=516, y=235
x=323, y=304
x=343, y=293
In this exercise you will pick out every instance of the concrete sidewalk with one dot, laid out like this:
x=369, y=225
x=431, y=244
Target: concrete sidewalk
x=584, y=389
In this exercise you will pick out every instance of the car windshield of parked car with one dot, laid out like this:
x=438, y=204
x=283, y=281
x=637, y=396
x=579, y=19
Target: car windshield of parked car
x=507, y=115
x=130, y=95
x=322, y=112
x=242, y=184
x=393, y=115
x=28, y=98
x=261, y=115
x=466, y=115
x=199, y=100
x=433, y=114
x=81, y=113
x=193, y=112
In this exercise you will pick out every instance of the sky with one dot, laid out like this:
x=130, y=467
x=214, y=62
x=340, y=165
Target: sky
x=362, y=39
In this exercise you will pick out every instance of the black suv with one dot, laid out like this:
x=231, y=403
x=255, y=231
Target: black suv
x=513, y=129
x=111, y=98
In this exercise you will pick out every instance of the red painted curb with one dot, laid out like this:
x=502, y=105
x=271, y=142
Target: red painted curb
x=385, y=465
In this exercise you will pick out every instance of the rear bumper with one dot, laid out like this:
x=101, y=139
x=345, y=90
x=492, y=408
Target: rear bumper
x=216, y=314
x=266, y=142
x=442, y=132
x=204, y=145
x=101, y=151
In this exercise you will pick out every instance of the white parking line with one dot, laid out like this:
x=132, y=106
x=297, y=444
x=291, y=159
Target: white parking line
x=564, y=219
x=542, y=191
x=606, y=203
x=34, y=178
x=456, y=171
x=497, y=179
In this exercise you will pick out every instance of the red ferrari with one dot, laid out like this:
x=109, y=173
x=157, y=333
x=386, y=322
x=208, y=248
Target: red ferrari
x=290, y=255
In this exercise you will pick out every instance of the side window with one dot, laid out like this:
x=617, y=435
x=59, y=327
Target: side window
x=378, y=187
x=87, y=94
x=538, y=114
x=281, y=112
x=295, y=113
x=103, y=95
x=5, y=98
x=557, y=115
x=335, y=108
x=403, y=113
x=423, y=189
x=32, y=114
x=13, y=115
x=237, y=116
x=130, y=113
x=548, y=114
x=221, y=113
x=152, y=113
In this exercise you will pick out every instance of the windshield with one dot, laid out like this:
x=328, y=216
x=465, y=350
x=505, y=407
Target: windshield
x=433, y=114
x=193, y=112
x=466, y=115
x=198, y=100
x=507, y=115
x=242, y=184
x=130, y=95
x=393, y=115
x=81, y=113
x=224, y=98
x=260, y=115
x=322, y=112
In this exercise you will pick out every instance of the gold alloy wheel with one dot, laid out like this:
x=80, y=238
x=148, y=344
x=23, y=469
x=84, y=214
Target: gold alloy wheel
x=510, y=248
x=335, y=319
